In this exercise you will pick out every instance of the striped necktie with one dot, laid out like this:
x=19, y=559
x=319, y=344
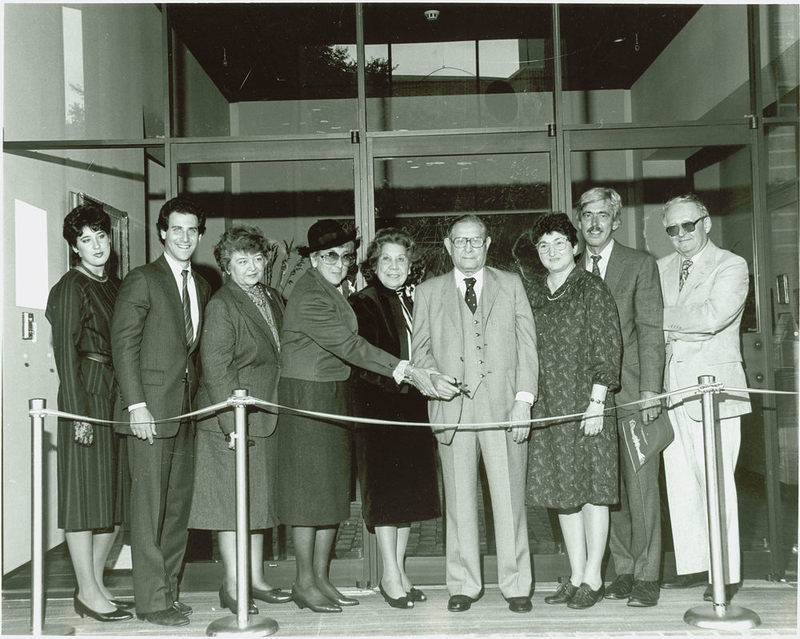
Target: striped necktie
x=187, y=308
x=407, y=305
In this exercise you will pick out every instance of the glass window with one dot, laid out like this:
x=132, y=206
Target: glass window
x=779, y=59
x=470, y=66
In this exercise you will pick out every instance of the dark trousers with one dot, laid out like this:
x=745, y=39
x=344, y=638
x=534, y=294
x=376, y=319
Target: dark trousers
x=161, y=497
x=635, y=535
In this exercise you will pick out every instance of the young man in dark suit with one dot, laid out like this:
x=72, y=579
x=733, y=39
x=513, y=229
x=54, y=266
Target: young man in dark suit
x=154, y=336
x=632, y=278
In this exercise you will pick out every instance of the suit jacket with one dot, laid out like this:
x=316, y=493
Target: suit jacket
x=320, y=337
x=148, y=343
x=701, y=326
x=509, y=342
x=632, y=277
x=238, y=350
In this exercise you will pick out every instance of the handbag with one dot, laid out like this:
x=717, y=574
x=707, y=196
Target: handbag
x=644, y=441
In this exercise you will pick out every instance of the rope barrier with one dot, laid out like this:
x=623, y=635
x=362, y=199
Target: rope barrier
x=539, y=422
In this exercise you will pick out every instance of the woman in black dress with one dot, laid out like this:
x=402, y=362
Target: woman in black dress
x=572, y=465
x=396, y=464
x=79, y=309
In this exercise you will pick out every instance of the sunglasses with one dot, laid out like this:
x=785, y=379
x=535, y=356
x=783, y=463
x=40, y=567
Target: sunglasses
x=688, y=227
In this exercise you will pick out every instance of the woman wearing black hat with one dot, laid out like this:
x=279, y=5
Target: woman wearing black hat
x=320, y=342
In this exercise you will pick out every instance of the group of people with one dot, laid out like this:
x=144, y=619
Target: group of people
x=478, y=363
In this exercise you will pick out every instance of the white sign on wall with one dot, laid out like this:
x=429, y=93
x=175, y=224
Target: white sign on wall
x=30, y=248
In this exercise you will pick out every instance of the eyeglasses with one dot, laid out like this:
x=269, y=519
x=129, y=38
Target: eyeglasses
x=559, y=246
x=474, y=242
x=332, y=258
x=688, y=227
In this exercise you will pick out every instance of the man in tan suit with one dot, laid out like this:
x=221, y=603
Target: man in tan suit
x=704, y=290
x=475, y=324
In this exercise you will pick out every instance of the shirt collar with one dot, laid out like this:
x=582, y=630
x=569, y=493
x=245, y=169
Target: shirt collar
x=697, y=256
x=176, y=267
x=460, y=277
x=605, y=254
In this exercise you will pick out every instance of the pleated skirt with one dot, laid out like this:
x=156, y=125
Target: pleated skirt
x=214, y=501
x=313, y=455
x=91, y=480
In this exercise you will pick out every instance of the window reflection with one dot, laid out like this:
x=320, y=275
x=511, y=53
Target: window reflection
x=74, y=107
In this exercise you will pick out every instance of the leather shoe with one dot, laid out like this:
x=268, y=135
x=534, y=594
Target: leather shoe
x=585, y=597
x=563, y=593
x=621, y=587
x=125, y=604
x=271, y=596
x=225, y=601
x=644, y=595
x=302, y=602
x=415, y=594
x=168, y=617
x=182, y=608
x=459, y=603
x=519, y=604
x=83, y=610
x=730, y=591
x=395, y=602
x=689, y=580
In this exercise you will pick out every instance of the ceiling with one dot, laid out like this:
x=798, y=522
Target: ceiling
x=275, y=51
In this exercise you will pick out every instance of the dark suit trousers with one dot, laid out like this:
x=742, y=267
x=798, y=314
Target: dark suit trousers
x=635, y=535
x=160, y=500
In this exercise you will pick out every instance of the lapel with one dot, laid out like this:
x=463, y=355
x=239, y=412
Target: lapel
x=167, y=281
x=698, y=273
x=615, y=269
x=250, y=312
x=491, y=288
x=669, y=279
x=451, y=299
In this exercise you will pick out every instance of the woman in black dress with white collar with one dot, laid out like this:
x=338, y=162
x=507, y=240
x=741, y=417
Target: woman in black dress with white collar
x=396, y=464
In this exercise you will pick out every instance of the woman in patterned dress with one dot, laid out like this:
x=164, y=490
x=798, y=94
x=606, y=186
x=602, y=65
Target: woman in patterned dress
x=79, y=309
x=572, y=464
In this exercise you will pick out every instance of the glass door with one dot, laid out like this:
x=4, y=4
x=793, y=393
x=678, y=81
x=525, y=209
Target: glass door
x=282, y=188
x=422, y=183
x=648, y=167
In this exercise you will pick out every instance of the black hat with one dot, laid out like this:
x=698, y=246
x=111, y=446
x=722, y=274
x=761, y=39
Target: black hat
x=325, y=234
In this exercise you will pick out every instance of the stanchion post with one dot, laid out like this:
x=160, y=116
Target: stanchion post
x=38, y=626
x=241, y=623
x=721, y=616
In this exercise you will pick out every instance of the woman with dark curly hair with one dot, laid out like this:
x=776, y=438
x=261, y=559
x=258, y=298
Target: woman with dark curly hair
x=396, y=464
x=79, y=309
x=240, y=349
x=572, y=464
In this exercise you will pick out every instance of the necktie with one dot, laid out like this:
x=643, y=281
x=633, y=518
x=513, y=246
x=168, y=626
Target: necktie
x=469, y=295
x=687, y=264
x=595, y=267
x=187, y=308
x=406, y=305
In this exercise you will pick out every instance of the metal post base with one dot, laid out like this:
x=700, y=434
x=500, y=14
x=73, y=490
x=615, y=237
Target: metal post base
x=229, y=627
x=49, y=629
x=716, y=617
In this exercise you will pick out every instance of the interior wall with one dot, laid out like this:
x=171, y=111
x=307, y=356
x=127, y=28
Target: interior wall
x=34, y=108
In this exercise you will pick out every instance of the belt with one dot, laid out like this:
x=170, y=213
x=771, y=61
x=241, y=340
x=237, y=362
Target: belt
x=100, y=358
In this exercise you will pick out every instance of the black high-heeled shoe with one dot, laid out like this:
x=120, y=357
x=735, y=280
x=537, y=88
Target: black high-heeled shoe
x=415, y=594
x=233, y=605
x=125, y=604
x=399, y=602
x=82, y=610
x=271, y=596
x=302, y=602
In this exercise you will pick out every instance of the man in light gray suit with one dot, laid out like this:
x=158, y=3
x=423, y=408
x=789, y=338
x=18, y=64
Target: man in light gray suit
x=632, y=278
x=475, y=325
x=705, y=288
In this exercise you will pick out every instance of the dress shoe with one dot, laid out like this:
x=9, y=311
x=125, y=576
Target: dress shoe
x=271, y=596
x=233, y=604
x=168, y=617
x=125, y=604
x=730, y=591
x=689, y=580
x=344, y=601
x=300, y=599
x=182, y=608
x=519, y=604
x=563, y=594
x=399, y=602
x=644, y=595
x=621, y=587
x=585, y=597
x=83, y=610
x=459, y=603
x=415, y=594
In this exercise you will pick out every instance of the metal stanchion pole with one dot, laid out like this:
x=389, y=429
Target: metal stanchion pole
x=241, y=623
x=721, y=615
x=38, y=626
